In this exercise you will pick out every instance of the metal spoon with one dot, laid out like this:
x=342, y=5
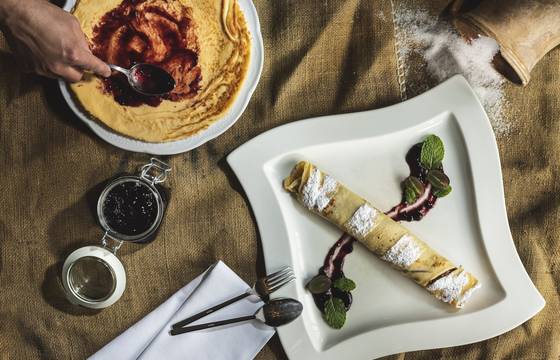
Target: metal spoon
x=277, y=312
x=147, y=79
x=263, y=287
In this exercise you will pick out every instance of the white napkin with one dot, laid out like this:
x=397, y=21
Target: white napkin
x=149, y=338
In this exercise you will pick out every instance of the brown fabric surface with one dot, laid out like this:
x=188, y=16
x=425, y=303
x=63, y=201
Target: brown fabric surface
x=321, y=57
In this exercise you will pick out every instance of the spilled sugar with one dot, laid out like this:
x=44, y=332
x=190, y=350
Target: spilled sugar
x=442, y=53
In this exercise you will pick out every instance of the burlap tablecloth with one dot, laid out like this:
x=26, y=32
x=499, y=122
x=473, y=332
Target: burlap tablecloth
x=321, y=57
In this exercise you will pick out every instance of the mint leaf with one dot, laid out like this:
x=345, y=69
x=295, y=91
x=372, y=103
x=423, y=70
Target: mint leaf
x=442, y=192
x=438, y=179
x=409, y=195
x=432, y=152
x=412, y=188
x=335, y=313
x=414, y=183
x=344, y=284
x=319, y=284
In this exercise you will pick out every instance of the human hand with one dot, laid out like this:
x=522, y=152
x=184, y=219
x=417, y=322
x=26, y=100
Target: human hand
x=47, y=40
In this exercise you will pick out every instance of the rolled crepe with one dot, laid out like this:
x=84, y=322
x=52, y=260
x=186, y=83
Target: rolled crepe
x=386, y=238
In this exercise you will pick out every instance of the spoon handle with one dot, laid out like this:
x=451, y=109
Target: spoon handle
x=209, y=311
x=178, y=331
x=119, y=69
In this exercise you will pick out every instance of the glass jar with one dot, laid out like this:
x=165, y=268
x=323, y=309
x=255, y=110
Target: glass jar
x=129, y=209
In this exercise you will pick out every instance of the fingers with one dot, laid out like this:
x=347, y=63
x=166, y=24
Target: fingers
x=85, y=60
x=75, y=61
x=80, y=54
x=68, y=73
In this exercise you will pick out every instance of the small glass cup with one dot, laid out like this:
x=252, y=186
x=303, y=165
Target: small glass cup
x=129, y=209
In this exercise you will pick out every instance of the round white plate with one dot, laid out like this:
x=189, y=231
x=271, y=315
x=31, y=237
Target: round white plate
x=220, y=126
x=366, y=151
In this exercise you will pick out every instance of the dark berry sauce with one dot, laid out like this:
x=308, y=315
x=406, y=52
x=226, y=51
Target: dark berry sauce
x=332, y=268
x=136, y=33
x=152, y=80
x=334, y=261
x=130, y=208
x=424, y=202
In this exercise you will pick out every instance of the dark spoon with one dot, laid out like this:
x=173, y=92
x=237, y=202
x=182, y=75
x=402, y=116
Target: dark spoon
x=276, y=313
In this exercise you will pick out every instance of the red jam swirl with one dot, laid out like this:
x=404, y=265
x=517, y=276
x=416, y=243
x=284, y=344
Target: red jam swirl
x=138, y=31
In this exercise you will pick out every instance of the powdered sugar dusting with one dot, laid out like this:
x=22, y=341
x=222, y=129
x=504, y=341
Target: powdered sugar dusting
x=430, y=50
x=467, y=295
x=363, y=221
x=449, y=287
x=404, y=253
x=317, y=196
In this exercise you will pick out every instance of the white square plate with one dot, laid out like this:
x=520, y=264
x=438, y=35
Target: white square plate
x=366, y=151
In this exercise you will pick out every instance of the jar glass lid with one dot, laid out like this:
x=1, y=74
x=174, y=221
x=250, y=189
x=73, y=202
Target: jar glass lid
x=93, y=277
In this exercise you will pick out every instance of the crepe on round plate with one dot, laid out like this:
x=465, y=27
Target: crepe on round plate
x=204, y=44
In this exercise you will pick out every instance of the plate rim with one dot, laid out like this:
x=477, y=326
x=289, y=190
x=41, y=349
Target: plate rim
x=456, y=96
x=228, y=119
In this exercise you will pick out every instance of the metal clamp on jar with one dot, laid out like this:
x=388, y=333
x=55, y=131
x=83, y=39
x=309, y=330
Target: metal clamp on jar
x=129, y=209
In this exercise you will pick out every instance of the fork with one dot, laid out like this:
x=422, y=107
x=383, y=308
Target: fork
x=263, y=287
